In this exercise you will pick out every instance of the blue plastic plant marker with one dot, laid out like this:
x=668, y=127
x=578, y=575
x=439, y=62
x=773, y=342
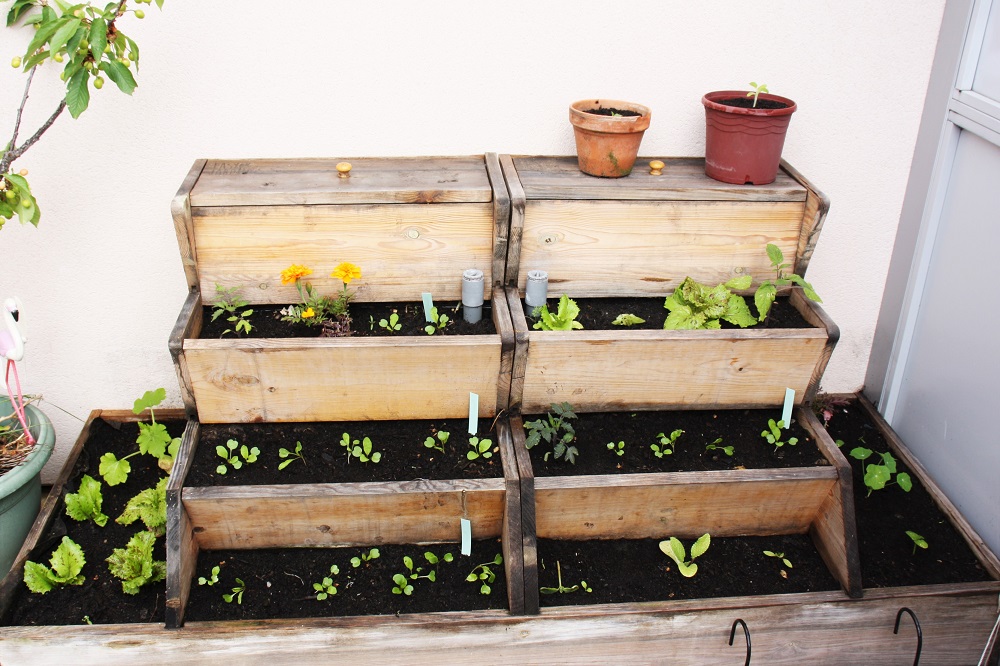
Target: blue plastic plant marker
x=428, y=305
x=786, y=414
x=473, y=413
x=466, y=536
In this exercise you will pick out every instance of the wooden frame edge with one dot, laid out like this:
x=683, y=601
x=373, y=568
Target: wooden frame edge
x=180, y=210
x=517, y=201
x=182, y=547
x=817, y=205
x=501, y=217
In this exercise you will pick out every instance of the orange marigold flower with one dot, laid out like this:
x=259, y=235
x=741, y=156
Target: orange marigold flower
x=346, y=272
x=307, y=313
x=293, y=273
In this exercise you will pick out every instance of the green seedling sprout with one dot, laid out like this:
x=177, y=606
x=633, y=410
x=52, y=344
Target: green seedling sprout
x=918, y=541
x=231, y=457
x=288, y=457
x=757, y=90
x=326, y=588
x=438, y=441
x=438, y=322
x=362, y=449
x=564, y=319
x=714, y=446
x=781, y=556
x=619, y=448
x=674, y=549
x=878, y=477
x=211, y=580
x=627, y=320
x=237, y=592
x=228, y=301
x=562, y=589
x=548, y=429
x=768, y=290
x=372, y=554
x=401, y=580
x=391, y=324
x=773, y=434
x=480, y=448
x=484, y=574
x=667, y=445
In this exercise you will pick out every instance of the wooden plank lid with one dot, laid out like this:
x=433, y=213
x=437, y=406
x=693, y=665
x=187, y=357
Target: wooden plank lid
x=367, y=180
x=681, y=179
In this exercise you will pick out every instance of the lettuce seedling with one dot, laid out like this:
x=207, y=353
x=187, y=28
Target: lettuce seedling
x=768, y=290
x=549, y=428
x=372, y=554
x=85, y=504
x=438, y=322
x=714, y=446
x=391, y=324
x=289, y=457
x=237, y=592
x=441, y=436
x=619, y=448
x=214, y=578
x=149, y=506
x=326, y=588
x=781, y=556
x=67, y=562
x=564, y=318
x=697, y=306
x=773, y=434
x=362, y=449
x=230, y=456
x=918, y=541
x=135, y=565
x=401, y=580
x=878, y=477
x=480, y=448
x=667, y=445
x=627, y=320
x=483, y=573
x=674, y=549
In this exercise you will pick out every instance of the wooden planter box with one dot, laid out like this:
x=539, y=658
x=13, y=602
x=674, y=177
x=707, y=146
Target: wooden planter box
x=748, y=502
x=333, y=515
x=640, y=236
x=412, y=224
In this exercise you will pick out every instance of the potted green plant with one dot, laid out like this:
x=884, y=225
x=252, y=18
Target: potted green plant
x=744, y=134
x=608, y=133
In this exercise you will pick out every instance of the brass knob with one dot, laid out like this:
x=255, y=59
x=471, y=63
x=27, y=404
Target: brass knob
x=656, y=168
x=344, y=169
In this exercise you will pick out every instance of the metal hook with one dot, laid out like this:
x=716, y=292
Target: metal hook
x=746, y=632
x=920, y=633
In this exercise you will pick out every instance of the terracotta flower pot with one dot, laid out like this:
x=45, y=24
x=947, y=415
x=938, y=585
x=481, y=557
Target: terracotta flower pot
x=743, y=145
x=606, y=146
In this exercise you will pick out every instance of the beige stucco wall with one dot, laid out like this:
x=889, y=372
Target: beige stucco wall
x=101, y=278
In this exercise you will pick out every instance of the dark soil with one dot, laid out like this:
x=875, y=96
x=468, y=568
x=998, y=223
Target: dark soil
x=404, y=456
x=612, y=112
x=747, y=103
x=279, y=582
x=266, y=322
x=598, y=313
x=637, y=570
x=100, y=599
x=738, y=428
x=888, y=557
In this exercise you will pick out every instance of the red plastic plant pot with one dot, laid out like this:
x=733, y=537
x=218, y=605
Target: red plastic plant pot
x=743, y=145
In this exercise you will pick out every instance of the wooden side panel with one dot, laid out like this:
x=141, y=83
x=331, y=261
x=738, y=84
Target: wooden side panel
x=681, y=504
x=816, y=316
x=817, y=206
x=517, y=202
x=344, y=514
x=501, y=217
x=180, y=210
x=503, y=323
x=521, y=339
x=513, y=552
x=786, y=630
x=403, y=250
x=986, y=556
x=620, y=371
x=834, y=529
x=639, y=248
x=529, y=540
x=188, y=325
x=182, y=548
x=347, y=379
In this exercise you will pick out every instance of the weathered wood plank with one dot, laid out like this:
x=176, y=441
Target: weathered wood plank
x=180, y=210
x=513, y=551
x=635, y=248
x=982, y=551
x=504, y=326
x=529, y=539
x=501, y=217
x=396, y=180
x=683, y=179
x=517, y=201
x=817, y=206
x=182, y=548
x=188, y=325
x=816, y=316
x=405, y=250
x=343, y=379
x=786, y=630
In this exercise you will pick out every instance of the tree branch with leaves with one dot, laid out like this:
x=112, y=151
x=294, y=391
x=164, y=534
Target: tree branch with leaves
x=86, y=41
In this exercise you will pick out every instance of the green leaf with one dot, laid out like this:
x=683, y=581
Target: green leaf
x=738, y=313
x=153, y=439
x=687, y=570
x=701, y=545
x=904, y=482
x=86, y=502
x=67, y=562
x=17, y=10
x=45, y=31
x=149, y=506
x=63, y=34
x=860, y=453
x=120, y=74
x=37, y=576
x=98, y=37
x=135, y=565
x=774, y=253
x=627, y=320
x=764, y=297
x=674, y=549
x=113, y=470
x=876, y=476
x=741, y=282
x=149, y=399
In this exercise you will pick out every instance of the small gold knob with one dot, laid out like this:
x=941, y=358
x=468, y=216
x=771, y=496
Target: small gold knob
x=344, y=169
x=656, y=168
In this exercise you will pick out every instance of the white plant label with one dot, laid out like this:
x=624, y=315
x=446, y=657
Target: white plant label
x=428, y=305
x=473, y=413
x=466, y=537
x=786, y=414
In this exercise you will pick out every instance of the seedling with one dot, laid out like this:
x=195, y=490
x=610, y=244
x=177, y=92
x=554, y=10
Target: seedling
x=697, y=306
x=228, y=301
x=562, y=589
x=714, y=446
x=372, y=554
x=135, y=565
x=773, y=434
x=326, y=587
x=918, y=541
x=619, y=448
x=483, y=573
x=548, y=428
x=674, y=549
x=781, y=556
x=288, y=457
x=757, y=90
x=231, y=457
x=237, y=592
x=438, y=322
x=768, y=290
x=391, y=324
x=667, y=445
x=438, y=441
x=85, y=504
x=878, y=477
x=213, y=579
x=67, y=562
x=149, y=506
x=153, y=439
x=564, y=318
x=627, y=320
x=362, y=449
x=403, y=586
x=480, y=448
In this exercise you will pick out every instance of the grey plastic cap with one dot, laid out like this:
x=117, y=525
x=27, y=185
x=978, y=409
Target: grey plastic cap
x=537, y=288
x=472, y=288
